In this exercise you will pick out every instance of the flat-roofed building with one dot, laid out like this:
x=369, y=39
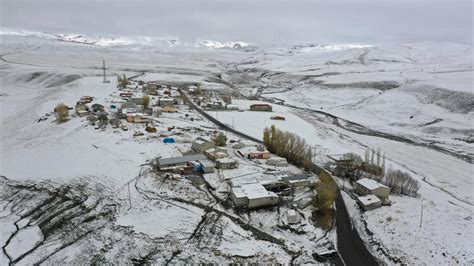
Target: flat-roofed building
x=369, y=202
x=366, y=186
x=253, y=195
x=178, y=161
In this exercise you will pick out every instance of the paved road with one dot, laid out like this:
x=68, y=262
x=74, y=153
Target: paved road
x=217, y=122
x=351, y=248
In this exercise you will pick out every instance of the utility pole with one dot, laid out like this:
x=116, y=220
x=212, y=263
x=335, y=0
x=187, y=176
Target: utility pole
x=421, y=216
x=103, y=68
x=233, y=122
x=129, y=196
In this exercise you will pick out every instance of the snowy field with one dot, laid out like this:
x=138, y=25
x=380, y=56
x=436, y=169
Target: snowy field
x=423, y=92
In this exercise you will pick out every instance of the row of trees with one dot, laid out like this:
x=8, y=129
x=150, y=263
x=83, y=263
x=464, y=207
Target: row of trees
x=400, y=182
x=288, y=145
x=373, y=166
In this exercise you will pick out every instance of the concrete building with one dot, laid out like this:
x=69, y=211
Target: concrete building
x=203, y=167
x=277, y=161
x=129, y=107
x=369, y=202
x=178, y=161
x=201, y=144
x=216, y=153
x=207, y=167
x=366, y=186
x=226, y=163
x=253, y=196
x=261, y=107
x=298, y=180
x=232, y=107
x=166, y=101
x=258, y=152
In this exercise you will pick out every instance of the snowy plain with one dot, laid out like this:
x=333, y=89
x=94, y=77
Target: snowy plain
x=378, y=87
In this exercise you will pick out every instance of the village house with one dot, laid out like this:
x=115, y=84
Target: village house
x=253, y=196
x=207, y=167
x=126, y=95
x=214, y=105
x=258, y=152
x=202, y=144
x=216, y=153
x=81, y=109
x=178, y=99
x=369, y=202
x=129, y=107
x=87, y=99
x=138, y=118
x=295, y=181
x=366, y=186
x=138, y=101
x=166, y=101
x=232, y=107
x=164, y=163
x=261, y=107
x=98, y=107
x=226, y=163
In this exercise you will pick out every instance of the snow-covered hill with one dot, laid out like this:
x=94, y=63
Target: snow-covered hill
x=422, y=93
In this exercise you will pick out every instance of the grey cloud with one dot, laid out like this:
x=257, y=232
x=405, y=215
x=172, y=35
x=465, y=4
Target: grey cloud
x=264, y=22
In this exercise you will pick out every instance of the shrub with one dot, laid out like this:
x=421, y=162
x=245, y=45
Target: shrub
x=62, y=112
x=220, y=139
x=146, y=101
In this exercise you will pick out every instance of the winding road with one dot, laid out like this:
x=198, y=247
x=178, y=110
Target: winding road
x=350, y=246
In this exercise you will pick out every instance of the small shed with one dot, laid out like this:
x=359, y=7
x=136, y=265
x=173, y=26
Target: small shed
x=169, y=140
x=292, y=217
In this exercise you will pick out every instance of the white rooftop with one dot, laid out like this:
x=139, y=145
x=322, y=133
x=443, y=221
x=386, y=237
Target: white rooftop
x=225, y=160
x=369, y=199
x=255, y=191
x=369, y=183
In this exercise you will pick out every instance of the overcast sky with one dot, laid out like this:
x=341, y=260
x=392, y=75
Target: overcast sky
x=266, y=23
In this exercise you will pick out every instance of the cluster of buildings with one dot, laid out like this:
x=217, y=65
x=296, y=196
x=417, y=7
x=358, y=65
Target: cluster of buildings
x=136, y=102
x=371, y=193
x=248, y=191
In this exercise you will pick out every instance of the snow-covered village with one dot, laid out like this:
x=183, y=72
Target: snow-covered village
x=117, y=150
